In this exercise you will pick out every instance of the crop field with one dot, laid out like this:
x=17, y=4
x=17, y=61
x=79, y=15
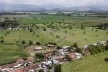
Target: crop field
x=80, y=20
x=91, y=63
x=59, y=33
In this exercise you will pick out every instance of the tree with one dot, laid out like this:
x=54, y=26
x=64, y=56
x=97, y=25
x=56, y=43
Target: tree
x=41, y=70
x=106, y=47
x=82, y=27
x=38, y=43
x=75, y=45
x=78, y=50
x=23, y=42
x=30, y=42
x=2, y=37
x=106, y=59
x=2, y=41
x=58, y=47
x=39, y=56
x=57, y=68
x=44, y=29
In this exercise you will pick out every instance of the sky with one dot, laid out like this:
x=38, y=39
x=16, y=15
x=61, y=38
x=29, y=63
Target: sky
x=65, y=3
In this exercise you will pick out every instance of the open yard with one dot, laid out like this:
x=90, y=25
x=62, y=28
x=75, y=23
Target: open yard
x=91, y=63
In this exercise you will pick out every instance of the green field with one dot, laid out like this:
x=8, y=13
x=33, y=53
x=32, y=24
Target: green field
x=72, y=36
x=91, y=63
x=58, y=33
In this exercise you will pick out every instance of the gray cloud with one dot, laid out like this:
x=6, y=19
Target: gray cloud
x=65, y=3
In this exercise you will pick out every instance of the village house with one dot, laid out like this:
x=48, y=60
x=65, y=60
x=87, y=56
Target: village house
x=29, y=61
x=20, y=63
x=103, y=42
x=7, y=67
x=86, y=52
x=75, y=55
x=51, y=44
x=38, y=49
x=49, y=54
x=85, y=46
x=31, y=68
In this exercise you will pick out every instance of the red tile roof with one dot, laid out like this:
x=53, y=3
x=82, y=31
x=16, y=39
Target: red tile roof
x=26, y=69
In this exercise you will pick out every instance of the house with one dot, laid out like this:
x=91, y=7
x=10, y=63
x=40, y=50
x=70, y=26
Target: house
x=72, y=55
x=29, y=61
x=61, y=60
x=20, y=61
x=7, y=67
x=38, y=48
x=49, y=54
x=86, y=52
x=65, y=47
x=51, y=44
x=28, y=69
x=95, y=44
x=7, y=70
x=85, y=46
x=48, y=63
x=61, y=52
x=102, y=42
x=78, y=55
x=75, y=55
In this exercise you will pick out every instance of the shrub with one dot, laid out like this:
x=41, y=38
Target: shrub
x=38, y=43
x=2, y=41
x=2, y=37
x=57, y=68
x=106, y=59
x=39, y=55
x=30, y=42
x=41, y=70
x=23, y=42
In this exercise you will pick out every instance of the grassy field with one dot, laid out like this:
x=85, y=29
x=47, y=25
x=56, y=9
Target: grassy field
x=87, y=21
x=60, y=35
x=75, y=35
x=9, y=53
x=91, y=63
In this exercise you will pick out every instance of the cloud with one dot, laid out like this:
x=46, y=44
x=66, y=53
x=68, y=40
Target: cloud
x=65, y=3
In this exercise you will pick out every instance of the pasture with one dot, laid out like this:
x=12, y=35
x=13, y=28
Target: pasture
x=49, y=30
x=91, y=63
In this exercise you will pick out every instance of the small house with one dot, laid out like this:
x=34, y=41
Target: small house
x=38, y=48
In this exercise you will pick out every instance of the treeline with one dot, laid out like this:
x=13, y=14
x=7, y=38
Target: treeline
x=9, y=23
x=94, y=49
x=102, y=26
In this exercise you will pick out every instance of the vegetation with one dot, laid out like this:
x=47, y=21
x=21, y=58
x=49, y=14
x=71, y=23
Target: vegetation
x=97, y=49
x=91, y=63
x=106, y=59
x=39, y=56
x=57, y=68
x=27, y=30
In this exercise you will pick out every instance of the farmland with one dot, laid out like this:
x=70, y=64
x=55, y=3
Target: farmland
x=62, y=30
x=90, y=63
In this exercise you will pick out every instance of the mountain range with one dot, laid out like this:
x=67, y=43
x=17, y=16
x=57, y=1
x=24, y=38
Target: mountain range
x=26, y=7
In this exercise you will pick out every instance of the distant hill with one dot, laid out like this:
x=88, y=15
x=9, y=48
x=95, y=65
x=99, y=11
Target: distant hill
x=20, y=7
x=26, y=7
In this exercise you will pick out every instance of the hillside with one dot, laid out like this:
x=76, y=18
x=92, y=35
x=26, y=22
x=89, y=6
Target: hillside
x=90, y=63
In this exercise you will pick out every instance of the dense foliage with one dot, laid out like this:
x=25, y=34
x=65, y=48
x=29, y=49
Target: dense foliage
x=94, y=49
